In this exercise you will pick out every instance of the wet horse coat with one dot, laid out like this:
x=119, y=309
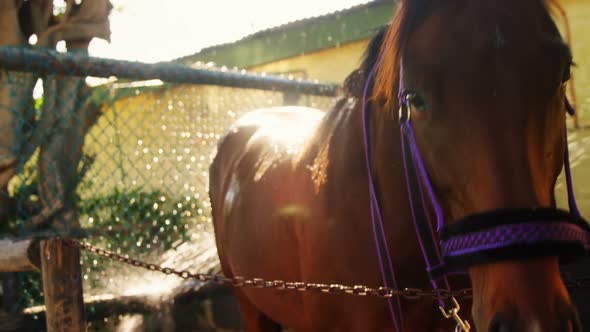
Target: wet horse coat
x=288, y=186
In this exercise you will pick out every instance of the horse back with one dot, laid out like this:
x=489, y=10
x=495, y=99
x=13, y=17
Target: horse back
x=259, y=141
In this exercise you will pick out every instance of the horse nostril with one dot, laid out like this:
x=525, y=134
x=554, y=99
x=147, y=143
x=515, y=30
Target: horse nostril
x=500, y=323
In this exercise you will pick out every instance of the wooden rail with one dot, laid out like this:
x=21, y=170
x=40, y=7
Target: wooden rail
x=19, y=255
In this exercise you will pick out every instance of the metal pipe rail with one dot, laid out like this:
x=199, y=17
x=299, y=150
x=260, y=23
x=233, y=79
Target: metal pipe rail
x=46, y=61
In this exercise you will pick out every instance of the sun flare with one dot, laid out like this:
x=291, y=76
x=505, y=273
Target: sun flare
x=285, y=128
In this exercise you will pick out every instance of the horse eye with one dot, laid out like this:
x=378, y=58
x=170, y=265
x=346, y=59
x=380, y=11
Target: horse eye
x=417, y=102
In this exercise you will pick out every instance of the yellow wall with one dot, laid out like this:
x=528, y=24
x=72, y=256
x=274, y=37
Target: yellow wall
x=578, y=13
x=330, y=65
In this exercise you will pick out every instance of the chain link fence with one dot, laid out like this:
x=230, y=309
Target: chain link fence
x=124, y=164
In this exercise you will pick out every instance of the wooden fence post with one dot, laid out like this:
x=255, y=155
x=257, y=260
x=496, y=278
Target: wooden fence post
x=60, y=262
x=62, y=287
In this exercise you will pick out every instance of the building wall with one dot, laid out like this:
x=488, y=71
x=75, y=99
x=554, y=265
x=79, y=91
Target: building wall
x=578, y=17
x=578, y=13
x=329, y=65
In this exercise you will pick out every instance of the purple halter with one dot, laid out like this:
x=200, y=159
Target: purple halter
x=477, y=239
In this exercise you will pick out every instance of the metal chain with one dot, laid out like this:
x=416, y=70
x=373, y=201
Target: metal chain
x=237, y=281
x=358, y=290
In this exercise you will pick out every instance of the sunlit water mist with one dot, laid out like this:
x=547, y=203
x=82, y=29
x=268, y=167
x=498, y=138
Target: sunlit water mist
x=130, y=323
x=198, y=255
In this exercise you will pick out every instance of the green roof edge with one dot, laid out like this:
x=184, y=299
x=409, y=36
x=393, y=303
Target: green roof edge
x=299, y=37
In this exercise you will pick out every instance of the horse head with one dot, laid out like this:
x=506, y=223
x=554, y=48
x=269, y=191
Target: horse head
x=483, y=83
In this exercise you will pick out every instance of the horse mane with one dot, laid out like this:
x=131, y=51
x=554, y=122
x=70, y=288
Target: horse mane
x=409, y=14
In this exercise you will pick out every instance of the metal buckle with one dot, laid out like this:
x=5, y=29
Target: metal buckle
x=405, y=116
x=462, y=325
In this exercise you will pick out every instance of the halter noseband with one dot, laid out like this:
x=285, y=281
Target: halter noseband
x=476, y=239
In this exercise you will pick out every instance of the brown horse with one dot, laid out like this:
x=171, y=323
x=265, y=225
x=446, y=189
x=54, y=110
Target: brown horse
x=289, y=187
